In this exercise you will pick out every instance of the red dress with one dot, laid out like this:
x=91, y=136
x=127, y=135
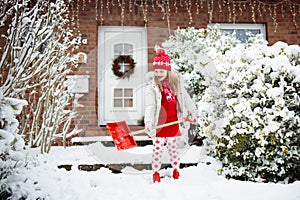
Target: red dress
x=168, y=113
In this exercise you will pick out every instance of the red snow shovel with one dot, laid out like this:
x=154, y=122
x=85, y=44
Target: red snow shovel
x=123, y=137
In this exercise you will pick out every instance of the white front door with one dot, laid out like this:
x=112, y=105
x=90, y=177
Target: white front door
x=121, y=98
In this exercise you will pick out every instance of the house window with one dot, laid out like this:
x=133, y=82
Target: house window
x=242, y=29
x=123, y=97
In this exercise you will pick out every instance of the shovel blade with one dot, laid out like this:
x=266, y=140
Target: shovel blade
x=120, y=133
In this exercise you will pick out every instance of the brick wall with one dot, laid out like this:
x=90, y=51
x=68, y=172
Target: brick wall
x=157, y=30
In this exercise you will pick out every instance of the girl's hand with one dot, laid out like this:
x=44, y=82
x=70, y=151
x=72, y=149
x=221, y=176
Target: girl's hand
x=193, y=117
x=149, y=131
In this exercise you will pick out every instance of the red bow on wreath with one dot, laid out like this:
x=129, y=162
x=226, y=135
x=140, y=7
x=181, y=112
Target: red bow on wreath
x=127, y=71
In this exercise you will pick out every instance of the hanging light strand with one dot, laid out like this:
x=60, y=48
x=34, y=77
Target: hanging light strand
x=282, y=11
x=293, y=11
x=166, y=5
x=229, y=11
x=144, y=7
x=233, y=12
x=234, y=8
x=153, y=6
x=130, y=6
x=96, y=10
x=108, y=7
x=72, y=13
x=122, y=6
x=273, y=16
x=188, y=5
x=176, y=8
x=83, y=4
x=77, y=14
x=253, y=5
x=209, y=11
x=101, y=12
x=197, y=8
x=146, y=14
x=161, y=5
x=181, y=5
x=259, y=10
x=220, y=6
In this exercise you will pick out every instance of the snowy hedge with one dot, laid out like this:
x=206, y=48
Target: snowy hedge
x=250, y=107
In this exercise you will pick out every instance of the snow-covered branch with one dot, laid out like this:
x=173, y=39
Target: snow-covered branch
x=37, y=58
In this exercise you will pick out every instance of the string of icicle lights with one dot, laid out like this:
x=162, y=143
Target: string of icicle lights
x=233, y=8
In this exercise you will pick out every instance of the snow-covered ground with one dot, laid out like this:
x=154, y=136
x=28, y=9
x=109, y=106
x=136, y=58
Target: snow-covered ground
x=197, y=182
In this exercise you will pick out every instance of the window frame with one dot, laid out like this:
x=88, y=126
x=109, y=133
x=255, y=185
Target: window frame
x=243, y=26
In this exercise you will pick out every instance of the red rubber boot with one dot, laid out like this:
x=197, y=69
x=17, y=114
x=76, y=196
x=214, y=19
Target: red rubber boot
x=156, y=177
x=175, y=174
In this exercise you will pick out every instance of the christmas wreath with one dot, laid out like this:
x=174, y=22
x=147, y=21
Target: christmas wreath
x=129, y=68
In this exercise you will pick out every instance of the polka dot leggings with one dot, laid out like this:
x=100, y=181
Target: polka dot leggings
x=158, y=144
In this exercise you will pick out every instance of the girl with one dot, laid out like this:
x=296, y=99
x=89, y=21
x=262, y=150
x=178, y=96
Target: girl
x=166, y=98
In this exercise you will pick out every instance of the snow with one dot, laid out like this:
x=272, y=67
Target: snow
x=41, y=177
x=196, y=182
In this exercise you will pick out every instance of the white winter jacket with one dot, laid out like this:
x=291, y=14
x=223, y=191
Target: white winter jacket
x=153, y=101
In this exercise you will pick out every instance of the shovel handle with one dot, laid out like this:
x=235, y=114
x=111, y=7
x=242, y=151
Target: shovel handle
x=159, y=126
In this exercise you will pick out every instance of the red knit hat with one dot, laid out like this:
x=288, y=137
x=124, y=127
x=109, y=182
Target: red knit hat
x=161, y=60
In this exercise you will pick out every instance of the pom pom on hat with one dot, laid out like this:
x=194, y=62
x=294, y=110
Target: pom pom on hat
x=160, y=51
x=161, y=60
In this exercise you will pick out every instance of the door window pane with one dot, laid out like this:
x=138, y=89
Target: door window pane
x=123, y=49
x=128, y=48
x=118, y=50
x=128, y=103
x=128, y=93
x=118, y=103
x=123, y=97
x=118, y=92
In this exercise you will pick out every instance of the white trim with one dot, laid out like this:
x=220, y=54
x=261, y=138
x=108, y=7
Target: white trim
x=235, y=26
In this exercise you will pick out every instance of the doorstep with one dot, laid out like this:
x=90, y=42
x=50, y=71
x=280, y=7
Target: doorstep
x=108, y=141
x=105, y=138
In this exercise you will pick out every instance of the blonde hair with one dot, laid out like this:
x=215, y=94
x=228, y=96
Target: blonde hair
x=173, y=81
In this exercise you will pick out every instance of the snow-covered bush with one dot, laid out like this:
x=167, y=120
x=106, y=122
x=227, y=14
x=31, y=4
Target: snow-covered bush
x=261, y=126
x=35, y=61
x=249, y=110
x=15, y=182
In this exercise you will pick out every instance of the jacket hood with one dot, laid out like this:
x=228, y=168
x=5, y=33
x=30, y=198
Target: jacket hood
x=149, y=76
